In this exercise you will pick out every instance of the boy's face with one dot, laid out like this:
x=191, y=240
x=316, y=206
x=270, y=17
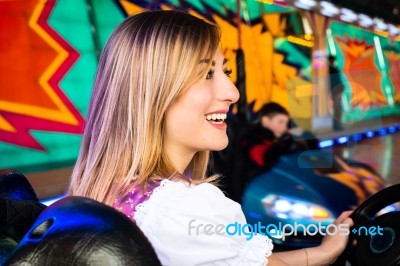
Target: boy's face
x=277, y=124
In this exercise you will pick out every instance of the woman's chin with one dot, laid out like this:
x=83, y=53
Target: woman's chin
x=220, y=146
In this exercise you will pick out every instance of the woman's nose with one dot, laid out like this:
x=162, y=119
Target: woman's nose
x=229, y=92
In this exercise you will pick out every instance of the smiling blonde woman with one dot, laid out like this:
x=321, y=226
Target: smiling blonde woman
x=160, y=99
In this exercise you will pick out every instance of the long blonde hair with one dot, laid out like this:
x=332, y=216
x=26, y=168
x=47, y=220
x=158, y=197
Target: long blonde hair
x=149, y=59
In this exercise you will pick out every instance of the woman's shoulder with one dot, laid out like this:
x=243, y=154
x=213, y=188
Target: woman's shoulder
x=178, y=196
x=171, y=190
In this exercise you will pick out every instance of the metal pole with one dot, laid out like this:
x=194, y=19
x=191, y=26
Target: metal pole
x=93, y=26
x=238, y=22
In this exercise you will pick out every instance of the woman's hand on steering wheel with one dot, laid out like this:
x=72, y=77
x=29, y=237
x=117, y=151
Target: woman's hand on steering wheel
x=334, y=244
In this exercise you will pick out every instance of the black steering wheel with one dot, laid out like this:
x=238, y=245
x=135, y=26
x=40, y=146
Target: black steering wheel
x=381, y=245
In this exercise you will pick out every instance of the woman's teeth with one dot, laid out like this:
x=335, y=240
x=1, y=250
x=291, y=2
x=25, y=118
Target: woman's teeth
x=216, y=118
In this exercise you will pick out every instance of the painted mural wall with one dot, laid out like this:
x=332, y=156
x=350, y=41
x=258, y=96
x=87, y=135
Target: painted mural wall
x=49, y=51
x=370, y=72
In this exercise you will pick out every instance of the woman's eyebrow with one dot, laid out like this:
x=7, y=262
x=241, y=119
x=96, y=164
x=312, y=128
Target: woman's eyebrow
x=207, y=61
x=225, y=61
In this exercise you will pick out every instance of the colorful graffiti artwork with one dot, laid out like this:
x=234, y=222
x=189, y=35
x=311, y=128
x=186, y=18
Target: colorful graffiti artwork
x=31, y=98
x=394, y=72
x=362, y=73
x=47, y=64
x=49, y=51
x=369, y=73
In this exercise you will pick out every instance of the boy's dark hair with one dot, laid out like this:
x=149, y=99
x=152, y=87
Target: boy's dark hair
x=271, y=109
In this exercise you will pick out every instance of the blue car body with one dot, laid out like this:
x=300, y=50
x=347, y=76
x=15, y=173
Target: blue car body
x=314, y=177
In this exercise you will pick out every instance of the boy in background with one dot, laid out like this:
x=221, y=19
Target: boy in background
x=270, y=138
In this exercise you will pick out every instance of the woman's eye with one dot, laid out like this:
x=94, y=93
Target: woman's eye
x=210, y=74
x=228, y=72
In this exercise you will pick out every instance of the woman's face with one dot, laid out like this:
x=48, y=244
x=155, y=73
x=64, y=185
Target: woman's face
x=196, y=120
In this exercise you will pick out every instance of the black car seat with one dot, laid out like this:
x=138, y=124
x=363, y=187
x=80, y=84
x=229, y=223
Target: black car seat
x=19, y=208
x=81, y=231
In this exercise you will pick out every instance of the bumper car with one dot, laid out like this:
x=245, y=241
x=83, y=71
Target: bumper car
x=307, y=189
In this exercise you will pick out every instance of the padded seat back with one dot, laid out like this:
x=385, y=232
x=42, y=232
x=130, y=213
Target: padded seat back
x=15, y=186
x=81, y=231
x=19, y=208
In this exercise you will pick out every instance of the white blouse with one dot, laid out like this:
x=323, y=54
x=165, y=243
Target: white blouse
x=186, y=226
